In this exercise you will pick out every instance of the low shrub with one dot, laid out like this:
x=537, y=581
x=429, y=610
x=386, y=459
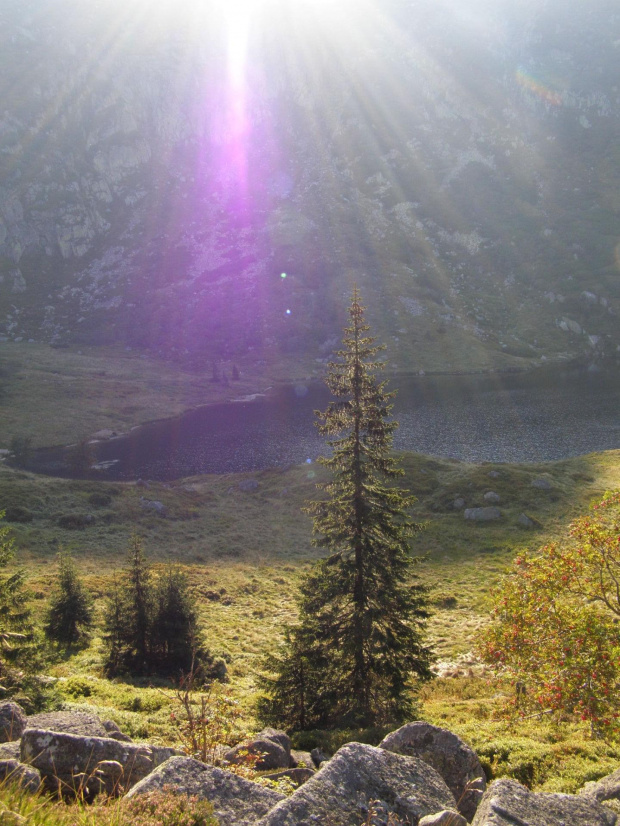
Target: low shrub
x=18, y=513
x=75, y=521
x=100, y=500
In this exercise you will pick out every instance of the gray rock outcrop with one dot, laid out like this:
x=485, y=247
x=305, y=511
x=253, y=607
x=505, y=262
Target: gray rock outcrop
x=491, y=497
x=508, y=803
x=236, y=801
x=482, y=514
x=358, y=777
x=61, y=757
x=455, y=761
x=81, y=723
x=12, y=722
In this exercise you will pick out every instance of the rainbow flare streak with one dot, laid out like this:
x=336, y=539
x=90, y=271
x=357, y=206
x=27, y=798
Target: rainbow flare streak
x=536, y=87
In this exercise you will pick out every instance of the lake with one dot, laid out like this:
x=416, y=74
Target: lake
x=544, y=414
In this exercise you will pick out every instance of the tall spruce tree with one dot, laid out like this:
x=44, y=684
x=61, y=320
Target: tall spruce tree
x=70, y=610
x=358, y=648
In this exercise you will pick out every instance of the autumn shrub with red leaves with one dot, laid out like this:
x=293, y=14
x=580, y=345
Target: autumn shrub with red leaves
x=556, y=624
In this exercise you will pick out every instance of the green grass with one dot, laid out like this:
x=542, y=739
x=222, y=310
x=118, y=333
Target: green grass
x=153, y=809
x=89, y=389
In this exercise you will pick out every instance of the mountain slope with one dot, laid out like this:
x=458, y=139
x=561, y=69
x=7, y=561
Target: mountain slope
x=162, y=169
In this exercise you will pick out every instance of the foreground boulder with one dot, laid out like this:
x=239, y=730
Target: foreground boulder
x=607, y=788
x=65, y=759
x=13, y=722
x=508, y=803
x=11, y=771
x=236, y=801
x=71, y=722
x=357, y=779
x=272, y=747
x=455, y=761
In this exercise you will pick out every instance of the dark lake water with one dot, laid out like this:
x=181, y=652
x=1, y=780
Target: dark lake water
x=545, y=414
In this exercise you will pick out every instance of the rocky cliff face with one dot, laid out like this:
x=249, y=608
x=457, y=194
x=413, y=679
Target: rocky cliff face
x=161, y=170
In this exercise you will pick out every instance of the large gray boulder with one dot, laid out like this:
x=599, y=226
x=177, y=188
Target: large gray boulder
x=236, y=801
x=272, y=747
x=358, y=778
x=455, y=761
x=81, y=723
x=61, y=757
x=12, y=722
x=508, y=803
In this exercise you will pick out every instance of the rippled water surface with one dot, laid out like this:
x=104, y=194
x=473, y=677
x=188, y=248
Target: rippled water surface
x=541, y=415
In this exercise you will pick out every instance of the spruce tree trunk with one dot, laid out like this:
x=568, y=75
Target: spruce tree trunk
x=359, y=588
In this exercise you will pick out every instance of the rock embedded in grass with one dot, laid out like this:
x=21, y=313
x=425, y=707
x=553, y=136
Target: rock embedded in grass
x=27, y=777
x=482, y=514
x=455, y=761
x=13, y=721
x=525, y=522
x=272, y=747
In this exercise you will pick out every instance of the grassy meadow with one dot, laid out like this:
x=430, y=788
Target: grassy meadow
x=244, y=551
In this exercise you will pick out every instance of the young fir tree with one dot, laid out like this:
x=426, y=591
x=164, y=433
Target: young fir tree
x=151, y=625
x=174, y=636
x=20, y=652
x=361, y=618
x=69, y=618
x=129, y=616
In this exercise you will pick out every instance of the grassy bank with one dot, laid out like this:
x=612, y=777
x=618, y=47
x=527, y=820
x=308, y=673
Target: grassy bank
x=91, y=389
